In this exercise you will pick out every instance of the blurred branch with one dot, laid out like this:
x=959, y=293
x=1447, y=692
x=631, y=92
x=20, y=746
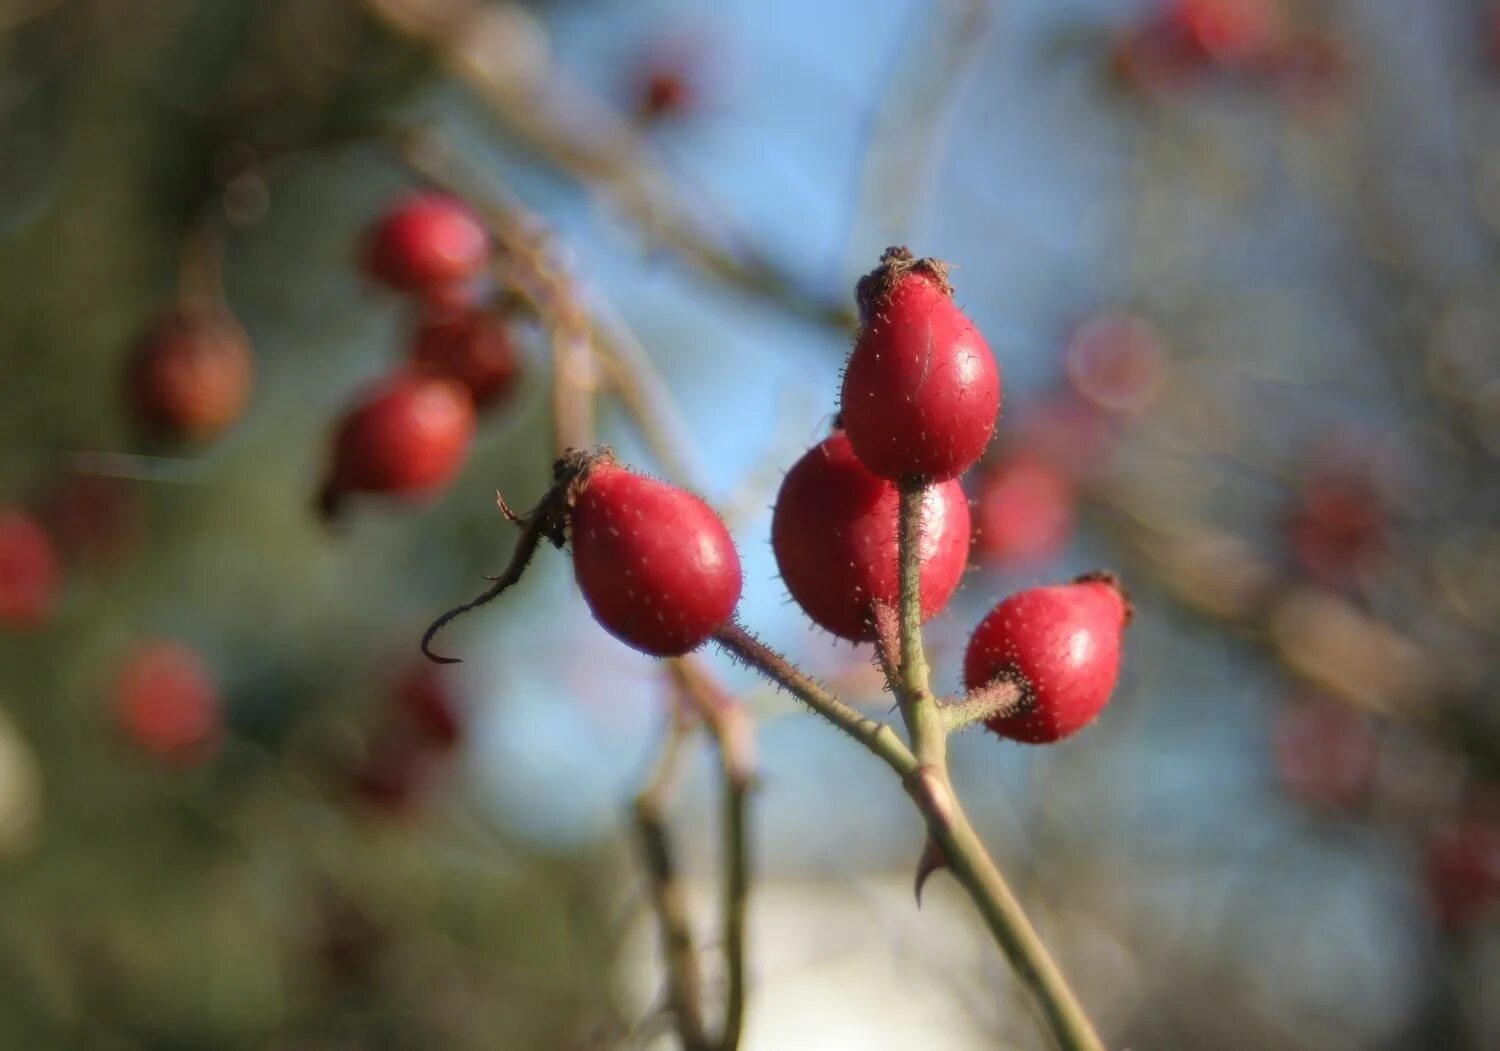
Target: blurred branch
x=499, y=53
x=730, y=726
x=905, y=142
x=684, y=982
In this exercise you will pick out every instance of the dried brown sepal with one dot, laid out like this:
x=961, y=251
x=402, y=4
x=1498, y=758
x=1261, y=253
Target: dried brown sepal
x=548, y=520
x=895, y=263
x=1107, y=576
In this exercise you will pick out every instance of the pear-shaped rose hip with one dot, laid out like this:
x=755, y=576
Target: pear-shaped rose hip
x=655, y=564
x=1062, y=644
x=407, y=437
x=834, y=534
x=921, y=390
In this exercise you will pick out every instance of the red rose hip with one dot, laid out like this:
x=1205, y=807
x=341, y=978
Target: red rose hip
x=1062, y=644
x=473, y=347
x=834, y=535
x=29, y=571
x=407, y=437
x=190, y=375
x=427, y=244
x=921, y=390
x=655, y=564
x=168, y=704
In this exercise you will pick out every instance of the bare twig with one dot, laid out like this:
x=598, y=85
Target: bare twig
x=730, y=726
x=684, y=981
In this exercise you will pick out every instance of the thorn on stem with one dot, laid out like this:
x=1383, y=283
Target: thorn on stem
x=932, y=860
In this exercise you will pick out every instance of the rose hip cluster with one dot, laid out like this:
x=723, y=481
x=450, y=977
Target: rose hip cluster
x=920, y=399
x=921, y=395
x=408, y=433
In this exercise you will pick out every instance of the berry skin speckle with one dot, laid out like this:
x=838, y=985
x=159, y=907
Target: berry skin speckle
x=1063, y=644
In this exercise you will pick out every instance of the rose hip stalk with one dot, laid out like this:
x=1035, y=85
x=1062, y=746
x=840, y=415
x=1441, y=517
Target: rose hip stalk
x=834, y=534
x=655, y=564
x=921, y=390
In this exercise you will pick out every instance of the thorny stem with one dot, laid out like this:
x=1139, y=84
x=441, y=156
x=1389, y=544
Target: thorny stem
x=684, y=981
x=879, y=738
x=932, y=790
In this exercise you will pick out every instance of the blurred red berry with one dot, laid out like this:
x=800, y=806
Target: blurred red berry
x=1065, y=431
x=1062, y=644
x=94, y=517
x=1187, y=37
x=472, y=346
x=168, y=703
x=407, y=437
x=427, y=244
x=656, y=566
x=1326, y=753
x=190, y=375
x=1024, y=510
x=834, y=535
x=666, y=93
x=1462, y=869
x=395, y=775
x=427, y=705
x=1118, y=362
x=29, y=571
x=921, y=390
x=1339, y=527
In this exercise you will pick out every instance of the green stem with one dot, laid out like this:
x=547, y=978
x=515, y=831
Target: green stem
x=876, y=736
x=932, y=790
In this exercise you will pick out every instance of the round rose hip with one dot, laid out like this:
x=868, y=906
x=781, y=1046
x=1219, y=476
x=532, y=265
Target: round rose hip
x=28, y=571
x=921, y=390
x=1062, y=644
x=655, y=564
x=834, y=534
x=407, y=437
x=190, y=375
x=427, y=244
x=168, y=704
x=1462, y=869
x=472, y=347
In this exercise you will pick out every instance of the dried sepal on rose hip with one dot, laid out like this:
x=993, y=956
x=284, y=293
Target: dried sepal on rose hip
x=407, y=437
x=834, y=535
x=655, y=564
x=1061, y=644
x=921, y=390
